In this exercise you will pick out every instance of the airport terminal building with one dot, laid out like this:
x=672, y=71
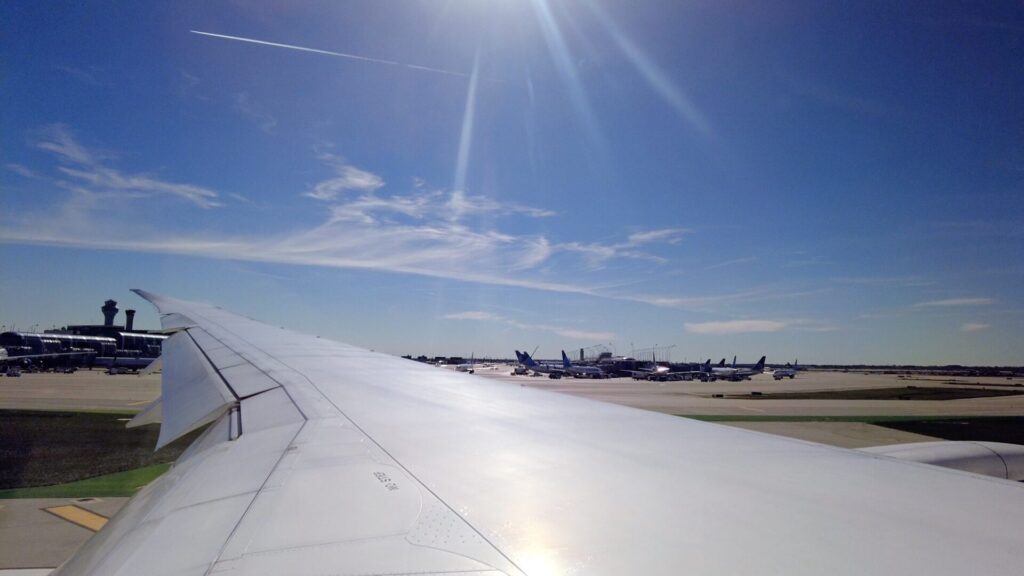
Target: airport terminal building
x=104, y=344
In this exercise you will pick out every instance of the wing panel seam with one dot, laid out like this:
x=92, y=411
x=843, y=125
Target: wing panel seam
x=212, y=365
x=256, y=495
x=371, y=439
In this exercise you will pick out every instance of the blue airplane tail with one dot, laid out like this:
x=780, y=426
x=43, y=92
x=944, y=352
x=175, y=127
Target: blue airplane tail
x=760, y=364
x=519, y=356
x=528, y=361
x=565, y=361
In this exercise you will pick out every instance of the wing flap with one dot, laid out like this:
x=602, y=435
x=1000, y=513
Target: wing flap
x=175, y=322
x=192, y=393
x=151, y=414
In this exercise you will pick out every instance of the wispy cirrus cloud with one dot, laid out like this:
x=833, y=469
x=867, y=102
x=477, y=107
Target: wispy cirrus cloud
x=974, y=327
x=952, y=302
x=348, y=178
x=88, y=173
x=81, y=75
x=728, y=327
x=733, y=262
x=908, y=281
x=245, y=104
x=712, y=301
x=20, y=170
x=422, y=202
x=568, y=332
x=420, y=230
x=597, y=254
x=734, y=326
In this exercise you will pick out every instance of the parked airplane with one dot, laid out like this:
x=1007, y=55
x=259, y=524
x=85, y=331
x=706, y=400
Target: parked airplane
x=735, y=374
x=348, y=461
x=648, y=371
x=519, y=369
x=466, y=366
x=788, y=372
x=660, y=373
x=581, y=371
x=552, y=370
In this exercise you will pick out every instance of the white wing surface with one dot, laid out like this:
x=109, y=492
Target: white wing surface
x=325, y=459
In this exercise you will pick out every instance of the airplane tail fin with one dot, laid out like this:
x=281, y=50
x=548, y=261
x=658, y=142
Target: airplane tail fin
x=565, y=361
x=734, y=361
x=707, y=365
x=519, y=356
x=760, y=364
x=528, y=361
x=721, y=363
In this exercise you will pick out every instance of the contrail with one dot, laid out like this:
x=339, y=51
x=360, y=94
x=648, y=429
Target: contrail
x=330, y=53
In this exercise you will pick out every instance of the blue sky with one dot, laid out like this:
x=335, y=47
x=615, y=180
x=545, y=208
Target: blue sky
x=800, y=179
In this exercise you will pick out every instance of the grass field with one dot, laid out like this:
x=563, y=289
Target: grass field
x=50, y=448
x=109, y=485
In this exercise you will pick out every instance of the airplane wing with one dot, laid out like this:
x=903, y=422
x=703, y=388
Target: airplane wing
x=326, y=459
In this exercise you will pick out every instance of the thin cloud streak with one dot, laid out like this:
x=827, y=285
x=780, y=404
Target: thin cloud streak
x=974, y=327
x=20, y=170
x=734, y=327
x=247, y=106
x=907, y=281
x=88, y=170
x=951, y=302
x=728, y=327
x=597, y=255
x=476, y=315
x=330, y=53
x=349, y=178
x=733, y=262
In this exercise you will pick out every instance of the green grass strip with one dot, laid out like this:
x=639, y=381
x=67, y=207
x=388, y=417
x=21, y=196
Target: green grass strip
x=109, y=485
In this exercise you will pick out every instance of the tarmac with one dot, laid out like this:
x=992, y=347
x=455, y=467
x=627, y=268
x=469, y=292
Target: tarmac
x=85, y=391
x=33, y=535
x=35, y=538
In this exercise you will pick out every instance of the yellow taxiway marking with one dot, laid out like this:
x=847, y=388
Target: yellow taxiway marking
x=79, y=516
x=138, y=403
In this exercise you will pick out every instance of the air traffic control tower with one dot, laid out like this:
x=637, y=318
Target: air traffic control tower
x=109, y=310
